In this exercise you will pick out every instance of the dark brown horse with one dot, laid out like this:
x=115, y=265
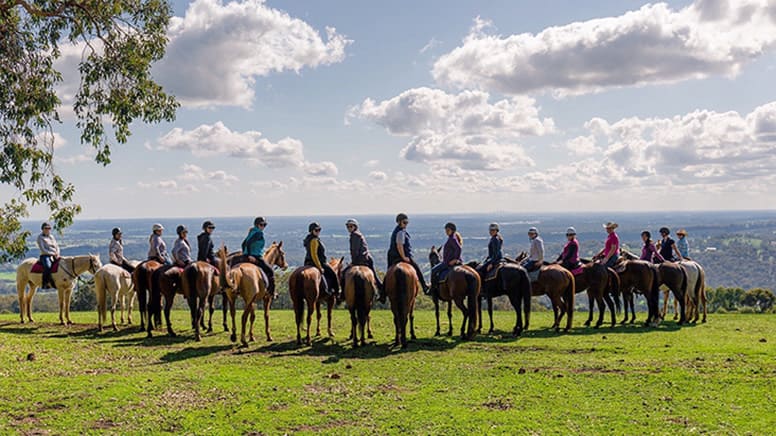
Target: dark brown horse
x=463, y=283
x=401, y=287
x=141, y=281
x=359, y=287
x=674, y=277
x=198, y=283
x=558, y=284
x=165, y=282
x=599, y=282
x=638, y=276
x=304, y=285
x=510, y=280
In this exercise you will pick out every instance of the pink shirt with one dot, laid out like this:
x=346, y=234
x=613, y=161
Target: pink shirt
x=612, y=241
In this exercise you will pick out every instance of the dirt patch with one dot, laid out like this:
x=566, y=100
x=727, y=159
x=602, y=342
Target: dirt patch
x=498, y=404
x=180, y=399
x=103, y=424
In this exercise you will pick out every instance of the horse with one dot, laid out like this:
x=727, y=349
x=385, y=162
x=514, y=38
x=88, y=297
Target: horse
x=141, y=281
x=599, y=282
x=359, y=287
x=304, y=285
x=558, y=284
x=696, y=290
x=165, y=282
x=70, y=268
x=116, y=281
x=642, y=277
x=198, y=283
x=401, y=287
x=463, y=282
x=674, y=277
x=510, y=280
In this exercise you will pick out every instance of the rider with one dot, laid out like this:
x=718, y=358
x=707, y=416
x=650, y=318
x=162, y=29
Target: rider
x=49, y=253
x=536, y=253
x=157, y=248
x=495, y=253
x=360, y=255
x=253, y=247
x=116, y=251
x=611, y=251
x=569, y=258
x=315, y=255
x=205, y=252
x=181, y=251
x=451, y=256
x=648, y=251
x=682, y=245
x=400, y=249
x=667, y=246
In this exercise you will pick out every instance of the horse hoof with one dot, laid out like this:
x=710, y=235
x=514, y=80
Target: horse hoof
x=437, y=333
x=703, y=322
x=252, y=339
x=198, y=338
x=404, y=346
x=226, y=328
x=450, y=333
x=298, y=342
x=149, y=335
x=269, y=339
x=210, y=330
x=172, y=334
x=233, y=338
x=490, y=332
x=370, y=336
x=412, y=337
x=355, y=344
x=586, y=324
x=244, y=343
x=115, y=329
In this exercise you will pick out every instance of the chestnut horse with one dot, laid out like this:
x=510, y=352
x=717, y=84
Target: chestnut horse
x=304, y=285
x=401, y=287
x=198, y=283
x=141, y=281
x=558, y=284
x=360, y=287
x=463, y=282
x=510, y=280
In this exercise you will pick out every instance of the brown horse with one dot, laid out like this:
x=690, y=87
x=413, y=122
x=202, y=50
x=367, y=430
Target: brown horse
x=638, y=276
x=596, y=279
x=401, y=287
x=510, y=280
x=141, y=281
x=360, y=288
x=165, y=282
x=198, y=283
x=246, y=280
x=674, y=277
x=304, y=285
x=463, y=282
x=558, y=284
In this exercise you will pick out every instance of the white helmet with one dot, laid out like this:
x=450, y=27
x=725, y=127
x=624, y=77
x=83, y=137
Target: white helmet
x=351, y=222
x=533, y=230
x=493, y=226
x=156, y=227
x=571, y=231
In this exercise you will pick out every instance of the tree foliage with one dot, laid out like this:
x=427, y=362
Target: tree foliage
x=120, y=40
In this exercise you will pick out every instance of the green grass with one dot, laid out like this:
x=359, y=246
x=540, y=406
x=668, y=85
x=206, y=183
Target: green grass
x=718, y=377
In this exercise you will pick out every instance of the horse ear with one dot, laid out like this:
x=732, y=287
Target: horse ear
x=433, y=248
x=273, y=242
x=280, y=244
x=342, y=259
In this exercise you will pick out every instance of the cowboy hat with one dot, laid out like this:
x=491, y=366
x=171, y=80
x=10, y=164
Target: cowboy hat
x=682, y=232
x=611, y=225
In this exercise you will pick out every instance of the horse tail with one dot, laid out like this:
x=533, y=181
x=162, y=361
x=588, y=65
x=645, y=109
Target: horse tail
x=297, y=294
x=525, y=289
x=569, y=294
x=359, y=288
x=472, y=297
x=155, y=302
x=401, y=293
x=191, y=282
x=654, y=297
x=614, y=287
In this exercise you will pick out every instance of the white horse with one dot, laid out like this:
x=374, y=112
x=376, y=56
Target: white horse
x=696, y=290
x=70, y=267
x=116, y=281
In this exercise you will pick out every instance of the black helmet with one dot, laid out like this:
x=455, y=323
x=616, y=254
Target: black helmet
x=115, y=231
x=665, y=231
x=181, y=228
x=451, y=226
x=259, y=221
x=313, y=226
x=44, y=225
x=647, y=234
x=401, y=217
x=208, y=224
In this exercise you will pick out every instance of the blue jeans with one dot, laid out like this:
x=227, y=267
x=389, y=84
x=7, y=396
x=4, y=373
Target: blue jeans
x=529, y=265
x=612, y=260
x=47, y=261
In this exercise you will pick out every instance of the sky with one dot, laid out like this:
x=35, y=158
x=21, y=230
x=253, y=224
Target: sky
x=353, y=107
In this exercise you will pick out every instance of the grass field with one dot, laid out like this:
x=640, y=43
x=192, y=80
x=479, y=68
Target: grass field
x=718, y=377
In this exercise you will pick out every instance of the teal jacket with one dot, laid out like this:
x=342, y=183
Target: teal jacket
x=253, y=244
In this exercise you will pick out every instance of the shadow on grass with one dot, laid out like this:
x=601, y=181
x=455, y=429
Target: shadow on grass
x=91, y=331
x=20, y=329
x=193, y=352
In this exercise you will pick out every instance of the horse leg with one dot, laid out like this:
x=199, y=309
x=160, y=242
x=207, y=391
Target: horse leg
x=210, y=309
x=601, y=309
x=201, y=312
x=450, y=318
x=245, y=315
x=232, y=310
x=224, y=300
x=436, y=313
x=100, y=305
x=131, y=299
x=192, y=300
x=632, y=302
x=555, y=308
x=517, y=305
x=490, y=315
x=267, y=304
x=682, y=307
x=68, y=294
x=412, y=324
x=252, y=338
x=167, y=307
x=310, y=309
x=318, y=314
x=113, y=305
x=664, y=311
x=353, y=326
x=369, y=334
x=590, y=307
x=397, y=328
x=610, y=305
x=61, y=297
x=465, y=312
x=676, y=307
x=329, y=309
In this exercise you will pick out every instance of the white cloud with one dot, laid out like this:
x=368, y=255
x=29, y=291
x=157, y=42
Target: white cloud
x=374, y=163
x=217, y=50
x=324, y=168
x=194, y=173
x=462, y=129
x=654, y=44
x=583, y=146
x=378, y=176
x=430, y=45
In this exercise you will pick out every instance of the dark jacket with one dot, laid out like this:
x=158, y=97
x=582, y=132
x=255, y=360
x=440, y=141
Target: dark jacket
x=667, y=249
x=359, y=250
x=315, y=252
x=393, y=252
x=452, y=250
x=495, y=254
x=205, y=247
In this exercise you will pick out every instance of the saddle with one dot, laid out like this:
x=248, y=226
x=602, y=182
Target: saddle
x=38, y=267
x=494, y=272
x=577, y=271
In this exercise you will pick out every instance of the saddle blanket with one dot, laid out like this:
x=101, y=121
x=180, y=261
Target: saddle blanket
x=38, y=267
x=577, y=271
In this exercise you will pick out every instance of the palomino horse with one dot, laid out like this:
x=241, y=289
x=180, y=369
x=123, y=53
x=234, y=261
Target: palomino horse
x=638, y=276
x=70, y=267
x=401, y=287
x=360, y=287
x=463, y=282
x=510, y=280
x=198, y=283
x=671, y=275
x=304, y=285
x=141, y=281
x=558, y=284
x=115, y=281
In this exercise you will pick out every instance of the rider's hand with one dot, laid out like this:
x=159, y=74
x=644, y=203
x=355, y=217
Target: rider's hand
x=406, y=259
x=490, y=267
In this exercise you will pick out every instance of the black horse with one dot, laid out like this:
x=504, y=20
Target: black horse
x=511, y=280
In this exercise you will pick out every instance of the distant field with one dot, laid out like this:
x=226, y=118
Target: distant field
x=719, y=377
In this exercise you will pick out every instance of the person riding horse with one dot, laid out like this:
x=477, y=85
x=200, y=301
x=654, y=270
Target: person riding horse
x=253, y=248
x=535, y=258
x=667, y=246
x=157, y=249
x=611, y=252
x=116, y=251
x=649, y=251
x=400, y=249
x=315, y=255
x=205, y=246
x=569, y=258
x=181, y=250
x=451, y=256
x=495, y=252
x=49, y=253
x=682, y=245
x=360, y=255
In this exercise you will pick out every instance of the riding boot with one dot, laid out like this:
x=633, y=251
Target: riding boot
x=271, y=289
x=422, y=279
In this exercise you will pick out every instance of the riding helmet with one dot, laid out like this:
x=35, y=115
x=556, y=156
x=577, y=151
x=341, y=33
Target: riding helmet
x=571, y=231
x=116, y=231
x=533, y=230
x=351, y=222
x=401, y=217
x=44, y=225
x=665, y=231
x=259, y=221
x=208, y=224
x=156, y=227
x=451, y=226
x=493, y=226
x=313, y=227
x=181, y=228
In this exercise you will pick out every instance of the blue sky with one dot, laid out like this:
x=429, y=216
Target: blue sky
x=444, y=106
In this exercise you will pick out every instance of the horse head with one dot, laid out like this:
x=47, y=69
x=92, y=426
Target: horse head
x=278, y=257
x=226, y=280
x=94, y=263
x=337, y=266
x=433, y=256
